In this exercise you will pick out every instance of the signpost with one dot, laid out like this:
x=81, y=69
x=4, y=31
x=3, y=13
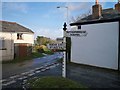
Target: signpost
x=76, y=33
x=64, y=59
x=60, y=46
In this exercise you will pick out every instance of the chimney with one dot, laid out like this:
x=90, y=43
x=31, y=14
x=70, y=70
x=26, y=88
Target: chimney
x=117, y=6
x=96, y=10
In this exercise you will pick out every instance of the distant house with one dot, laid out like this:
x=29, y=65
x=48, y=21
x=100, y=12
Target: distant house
x=15, y=40
x=101, y=46
x=60, y=40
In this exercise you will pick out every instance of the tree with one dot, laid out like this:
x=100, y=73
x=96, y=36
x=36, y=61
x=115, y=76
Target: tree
x=43, y=40
x=74, y=19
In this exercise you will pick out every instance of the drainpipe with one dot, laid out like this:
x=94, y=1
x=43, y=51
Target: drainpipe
x=11, y=45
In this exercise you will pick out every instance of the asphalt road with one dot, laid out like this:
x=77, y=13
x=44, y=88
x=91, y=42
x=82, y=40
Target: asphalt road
x=93, y=77
x=15, y=75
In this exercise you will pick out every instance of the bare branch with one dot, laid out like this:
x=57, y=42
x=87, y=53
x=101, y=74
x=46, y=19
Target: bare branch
x=74, y=19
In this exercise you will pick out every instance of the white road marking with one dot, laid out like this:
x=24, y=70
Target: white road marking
x=46, y=65
x=31, y=74
x=57, y=64
x=37, y=71
x=41, y=67
x=31, y=70
x=25, y=77
x=43, y=70
x=52, y=66
x=3, y=80
x=15, y=76
x=52, y=63
x=37, y=68
x=22, y=77
x=27, y=72
x=23, y=73
x=11, y=82
x=48, y=68
x=25, y=80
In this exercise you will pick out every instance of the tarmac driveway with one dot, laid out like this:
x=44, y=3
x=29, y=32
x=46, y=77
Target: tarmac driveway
x=93, y=77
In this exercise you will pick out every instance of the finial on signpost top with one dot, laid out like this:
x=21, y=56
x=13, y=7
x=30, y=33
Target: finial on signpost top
x=65, y=28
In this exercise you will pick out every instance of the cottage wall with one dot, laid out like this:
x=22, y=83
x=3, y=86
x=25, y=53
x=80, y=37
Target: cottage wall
x=7, y=53
x=99, y=47
x=11, y=41
x=27, y=38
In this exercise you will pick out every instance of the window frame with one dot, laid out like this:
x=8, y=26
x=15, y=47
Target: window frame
x=2, y=47
x=19, y=36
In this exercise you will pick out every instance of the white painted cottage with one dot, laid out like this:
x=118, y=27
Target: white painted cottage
x=15, y=40
x=101, y=46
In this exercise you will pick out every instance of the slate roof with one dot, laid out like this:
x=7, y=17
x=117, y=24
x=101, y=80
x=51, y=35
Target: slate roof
x=109, y=13
x=13, y=27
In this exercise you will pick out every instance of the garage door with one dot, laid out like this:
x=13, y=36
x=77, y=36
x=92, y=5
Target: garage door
x=22, y=50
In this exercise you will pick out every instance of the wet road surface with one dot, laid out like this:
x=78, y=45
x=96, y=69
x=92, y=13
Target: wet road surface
x=13, y=69
x=53, y=69
x=14, y=75
x=90, y=77
x=93, y=77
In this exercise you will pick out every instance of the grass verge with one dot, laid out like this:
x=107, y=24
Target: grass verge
x=22, y=59
x=54, y=82
x=49, y=52
x=60, y=60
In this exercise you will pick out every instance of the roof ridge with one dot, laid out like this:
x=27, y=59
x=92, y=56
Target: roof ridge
x=24, y=27
x=108, y=8
x=8, y=22
x=15, y=27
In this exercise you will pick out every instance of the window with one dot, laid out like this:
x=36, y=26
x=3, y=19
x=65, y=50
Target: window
x=19, y=36
x=79, y=27
x=2, y=44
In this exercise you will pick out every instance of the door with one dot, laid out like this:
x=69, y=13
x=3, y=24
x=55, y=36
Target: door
x=22, y=50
